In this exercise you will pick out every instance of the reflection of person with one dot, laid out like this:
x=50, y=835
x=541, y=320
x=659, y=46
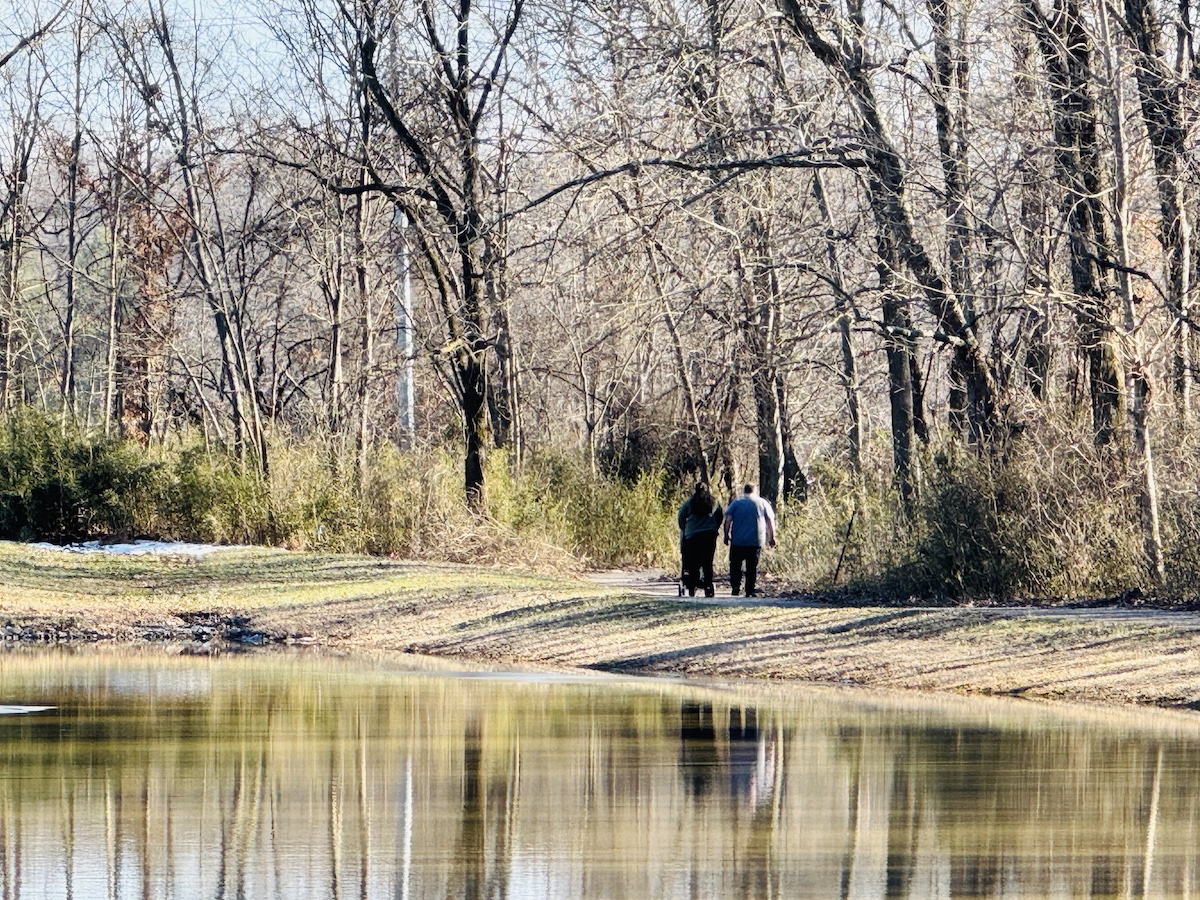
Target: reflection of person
x=751, y=756
x=743, y=750
x=697, y=747
x=749, y=523
x=699, y=525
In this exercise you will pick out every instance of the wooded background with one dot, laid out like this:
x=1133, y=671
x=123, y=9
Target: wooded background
x=922, y=270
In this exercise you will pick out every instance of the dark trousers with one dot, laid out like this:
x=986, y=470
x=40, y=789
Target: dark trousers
x=737, y=557
x=697, y=554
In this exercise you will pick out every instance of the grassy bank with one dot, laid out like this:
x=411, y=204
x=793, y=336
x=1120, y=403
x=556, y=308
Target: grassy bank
x=363, y=604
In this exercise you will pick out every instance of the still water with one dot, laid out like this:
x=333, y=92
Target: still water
x=277, y=776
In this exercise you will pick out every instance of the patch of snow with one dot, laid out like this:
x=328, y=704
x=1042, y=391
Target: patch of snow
x=139, y=548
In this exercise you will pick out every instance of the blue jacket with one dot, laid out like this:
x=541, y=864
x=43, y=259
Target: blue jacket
x=748, y=516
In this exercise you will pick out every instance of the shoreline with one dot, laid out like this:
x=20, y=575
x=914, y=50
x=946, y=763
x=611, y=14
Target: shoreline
x=351, y=604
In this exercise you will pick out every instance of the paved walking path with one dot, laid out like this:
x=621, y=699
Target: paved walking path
x=657, y=583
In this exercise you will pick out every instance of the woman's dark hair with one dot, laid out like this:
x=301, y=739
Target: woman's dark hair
x=702, y=500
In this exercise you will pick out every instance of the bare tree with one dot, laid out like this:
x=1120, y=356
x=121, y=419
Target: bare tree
x=1138, y=384
x=1164, y=92
x=211, y=254
x=451, y=183
x=24, y=114
x=1066, y=48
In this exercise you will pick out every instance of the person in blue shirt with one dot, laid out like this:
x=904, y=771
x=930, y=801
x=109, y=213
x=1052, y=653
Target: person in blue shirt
x=749, y=524
x=699, y=525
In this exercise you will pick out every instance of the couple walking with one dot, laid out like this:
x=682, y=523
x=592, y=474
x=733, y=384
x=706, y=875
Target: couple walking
x=749, y=523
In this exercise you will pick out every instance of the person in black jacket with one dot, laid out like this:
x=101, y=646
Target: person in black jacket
x=700, y=520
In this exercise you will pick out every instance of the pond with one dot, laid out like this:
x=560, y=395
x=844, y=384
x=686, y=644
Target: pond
x=297, y=776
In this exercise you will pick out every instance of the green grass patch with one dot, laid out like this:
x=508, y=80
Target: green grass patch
x=257, y=579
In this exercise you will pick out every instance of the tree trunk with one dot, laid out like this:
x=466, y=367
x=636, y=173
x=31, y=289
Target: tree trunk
x=471, y=355
x=335, y=300
x=920, y=422
x=13, y=234
x=794, y=486
x=367, y=363
x=1160, y=90
x=897, y=326
x=900, y=395
x=844, y=310
x=12, y=291
x=769, y=432
x=1139, y=386
x=846, y=57
x=967, y=394
x=111, y=335
x=1037, y=354
x=725, y=462
x=67, y=379
x=1066, y=48
x=760, y=325
x=505, y=386
x=475, y=426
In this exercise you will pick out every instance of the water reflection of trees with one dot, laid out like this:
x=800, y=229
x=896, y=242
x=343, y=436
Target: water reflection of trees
x=302, y=782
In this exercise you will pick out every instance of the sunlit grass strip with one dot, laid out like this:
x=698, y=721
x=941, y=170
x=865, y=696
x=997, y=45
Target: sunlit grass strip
x=46, y=580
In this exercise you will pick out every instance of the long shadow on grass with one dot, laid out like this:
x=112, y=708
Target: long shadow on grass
x=904, y=624
x=596, y=611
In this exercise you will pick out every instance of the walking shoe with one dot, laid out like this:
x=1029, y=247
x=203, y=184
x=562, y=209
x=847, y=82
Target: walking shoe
x=752, y=594
x=734, y=592
x=709, y=591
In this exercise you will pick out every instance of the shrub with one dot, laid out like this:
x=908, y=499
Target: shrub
x=213, y=498
x=847, y=533
x=1049, y=515
x=59, y=485
x=1044, y=519
x=603, y=521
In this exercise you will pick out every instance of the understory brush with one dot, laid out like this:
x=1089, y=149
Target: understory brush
x=848, y=533
x=1042, y=520
x=60, y=486
x=556, y=514
x=1048, y=515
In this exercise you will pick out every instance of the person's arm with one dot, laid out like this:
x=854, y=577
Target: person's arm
x=770, y=517
x=728, y=525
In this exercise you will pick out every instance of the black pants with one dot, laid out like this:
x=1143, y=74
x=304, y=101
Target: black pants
x=697, y=554
x=738, y=556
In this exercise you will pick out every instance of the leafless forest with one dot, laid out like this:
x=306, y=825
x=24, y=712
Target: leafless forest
x=923, y=270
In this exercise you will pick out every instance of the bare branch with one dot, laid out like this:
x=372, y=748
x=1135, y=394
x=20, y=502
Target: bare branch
x=838, y=158
x=33, y=37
